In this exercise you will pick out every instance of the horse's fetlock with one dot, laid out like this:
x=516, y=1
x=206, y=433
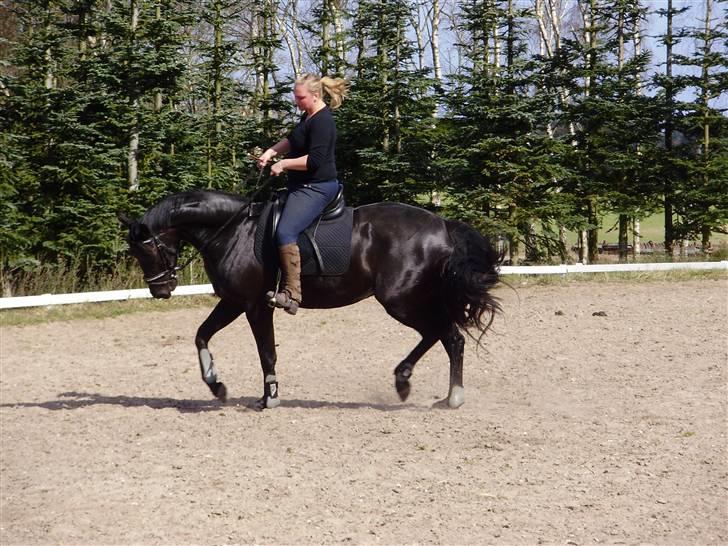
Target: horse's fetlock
x=270, y=389
x=404, y=371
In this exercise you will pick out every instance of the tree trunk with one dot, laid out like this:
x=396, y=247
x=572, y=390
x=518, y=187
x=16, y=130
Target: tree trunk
x=563, y=245
x=48, y=54
x=397, y=132
x=360, y=45
x=591, y=39
x=158, y=93
x=636, y=239
x=416, y=20
x=669, y=99
x=623, y=237
x=292, y=37
x=593, y=233
x=531, y=242
x=705, y=99
x=325, y=37
x=133, y=155
x=435, y=41
x=623, y=234
x=512, y=239
x=337, y=8
x=637, y=37
x=382, y=54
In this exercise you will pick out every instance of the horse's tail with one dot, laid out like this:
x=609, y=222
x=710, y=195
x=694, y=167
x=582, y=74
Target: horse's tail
x=469, y=273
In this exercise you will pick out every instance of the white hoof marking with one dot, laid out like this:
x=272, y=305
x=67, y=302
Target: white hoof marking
x=457, y=397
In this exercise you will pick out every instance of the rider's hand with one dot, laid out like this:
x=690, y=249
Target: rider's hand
x=265, y=157
x=277, y=168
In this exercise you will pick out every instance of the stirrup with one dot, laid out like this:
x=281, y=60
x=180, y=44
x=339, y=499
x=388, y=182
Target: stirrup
x=282, y=300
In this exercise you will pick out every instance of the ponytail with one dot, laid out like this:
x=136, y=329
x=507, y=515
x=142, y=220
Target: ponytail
x=335, y=88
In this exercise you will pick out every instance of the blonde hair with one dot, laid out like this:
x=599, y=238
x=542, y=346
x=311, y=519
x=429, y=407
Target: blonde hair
x=335, y=88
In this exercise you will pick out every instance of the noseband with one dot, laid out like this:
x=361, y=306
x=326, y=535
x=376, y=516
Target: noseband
x=170, y=272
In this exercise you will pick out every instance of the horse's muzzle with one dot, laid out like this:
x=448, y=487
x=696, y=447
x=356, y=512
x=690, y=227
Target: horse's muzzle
x=163, y=291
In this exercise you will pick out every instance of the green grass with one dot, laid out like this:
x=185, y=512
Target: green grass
x=652, y=228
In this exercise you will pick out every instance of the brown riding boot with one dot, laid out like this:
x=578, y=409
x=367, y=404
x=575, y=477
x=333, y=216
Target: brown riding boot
x=289, y=298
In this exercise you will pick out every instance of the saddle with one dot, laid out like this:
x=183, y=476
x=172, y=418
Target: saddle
x=325, y=245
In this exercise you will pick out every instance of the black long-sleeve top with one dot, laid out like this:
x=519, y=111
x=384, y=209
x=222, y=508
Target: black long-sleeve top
x=315, y=136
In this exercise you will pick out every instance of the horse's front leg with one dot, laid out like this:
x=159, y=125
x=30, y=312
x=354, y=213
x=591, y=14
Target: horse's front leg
x=260, y=319
x=223, y=314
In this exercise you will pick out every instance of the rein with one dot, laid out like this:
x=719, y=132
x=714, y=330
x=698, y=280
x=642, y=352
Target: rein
x=163, y=250
x=227, y=223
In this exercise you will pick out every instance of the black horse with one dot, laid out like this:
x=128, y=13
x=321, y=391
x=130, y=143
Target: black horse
x=429, y=273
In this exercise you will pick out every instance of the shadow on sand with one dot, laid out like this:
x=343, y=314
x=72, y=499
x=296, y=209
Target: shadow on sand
x=79, y=400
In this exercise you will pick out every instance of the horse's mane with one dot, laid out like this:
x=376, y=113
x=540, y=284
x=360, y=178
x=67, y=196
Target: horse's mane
x=160, y=215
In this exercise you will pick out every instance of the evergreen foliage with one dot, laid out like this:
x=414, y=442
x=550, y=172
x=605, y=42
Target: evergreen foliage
x=109, y=105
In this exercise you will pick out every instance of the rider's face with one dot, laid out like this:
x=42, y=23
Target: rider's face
x=305, y=100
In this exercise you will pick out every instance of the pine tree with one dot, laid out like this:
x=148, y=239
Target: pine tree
x=702, y=202
x=380, y=151
x=616, y=124
x=668, y=88
x=503, y=155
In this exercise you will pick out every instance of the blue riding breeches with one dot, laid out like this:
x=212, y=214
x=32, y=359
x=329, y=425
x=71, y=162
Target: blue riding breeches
x=304, y=204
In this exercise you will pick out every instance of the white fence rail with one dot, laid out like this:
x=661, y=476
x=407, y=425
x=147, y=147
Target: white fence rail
x=197, y=289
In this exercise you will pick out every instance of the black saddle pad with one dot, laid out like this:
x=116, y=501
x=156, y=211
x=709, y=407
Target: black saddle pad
x=325, y=245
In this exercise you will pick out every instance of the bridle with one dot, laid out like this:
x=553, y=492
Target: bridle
x=163, y=251
x=170, y=272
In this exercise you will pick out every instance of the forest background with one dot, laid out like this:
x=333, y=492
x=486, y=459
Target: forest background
x=528, y=119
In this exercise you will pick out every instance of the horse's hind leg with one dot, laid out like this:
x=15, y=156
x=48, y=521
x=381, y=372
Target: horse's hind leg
x=403, y=371
x=454, y=344
x=222, y=315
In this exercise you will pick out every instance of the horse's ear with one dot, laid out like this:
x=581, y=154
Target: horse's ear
x=124, y=219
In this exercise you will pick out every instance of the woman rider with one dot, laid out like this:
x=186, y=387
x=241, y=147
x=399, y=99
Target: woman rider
x=311, y=166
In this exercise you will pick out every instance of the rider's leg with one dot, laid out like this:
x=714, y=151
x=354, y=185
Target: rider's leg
x=304, y=204
x=289, y=297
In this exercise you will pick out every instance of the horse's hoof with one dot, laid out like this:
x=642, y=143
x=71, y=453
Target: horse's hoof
x=457, y=397
x=403, y=389
x=220, y=391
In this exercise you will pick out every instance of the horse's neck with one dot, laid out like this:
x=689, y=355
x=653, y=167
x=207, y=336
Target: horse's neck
x=213, y=233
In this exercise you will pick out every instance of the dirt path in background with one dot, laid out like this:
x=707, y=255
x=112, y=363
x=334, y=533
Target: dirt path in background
x=576, y=428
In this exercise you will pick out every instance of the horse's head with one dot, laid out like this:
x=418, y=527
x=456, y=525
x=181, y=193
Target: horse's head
x=157, y=254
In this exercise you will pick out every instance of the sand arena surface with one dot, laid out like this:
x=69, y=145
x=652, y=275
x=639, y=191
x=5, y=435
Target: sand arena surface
x=576, y=428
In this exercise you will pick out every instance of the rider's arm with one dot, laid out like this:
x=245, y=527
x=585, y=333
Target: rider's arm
x=280, y=148
x=295, y=164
